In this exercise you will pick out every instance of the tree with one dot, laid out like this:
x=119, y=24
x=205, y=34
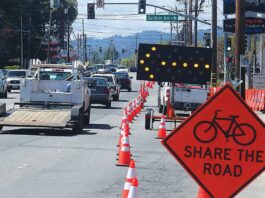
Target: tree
x=35, y=19
x=111, y=53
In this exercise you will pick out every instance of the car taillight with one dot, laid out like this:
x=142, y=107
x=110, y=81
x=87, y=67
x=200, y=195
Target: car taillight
x=106, y=90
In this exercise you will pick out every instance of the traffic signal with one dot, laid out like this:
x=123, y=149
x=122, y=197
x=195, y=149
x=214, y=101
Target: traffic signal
x=100, y=49
x=177, y=64
x=141, y=6
x=228, y=44
x=90, y=11
x=207, y=39
x=123, y=50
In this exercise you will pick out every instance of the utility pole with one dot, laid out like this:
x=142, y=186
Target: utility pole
x=49, y=36
x=185, y=23
x=78, y=45
x=240, y=37
x=28, y=45
x=225, y=55
x=68, y=35
x=196, y=24
x=21, y=40
x=84, y=40
x=214, y=43
x=190, y=23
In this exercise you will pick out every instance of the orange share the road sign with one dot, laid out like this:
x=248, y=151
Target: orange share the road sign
x=221, y=145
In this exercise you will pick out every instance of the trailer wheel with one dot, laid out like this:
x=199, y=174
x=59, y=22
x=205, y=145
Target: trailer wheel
x=1, y=127
x=149, y=119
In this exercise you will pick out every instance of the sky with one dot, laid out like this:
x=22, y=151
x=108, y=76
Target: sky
x=123, y=19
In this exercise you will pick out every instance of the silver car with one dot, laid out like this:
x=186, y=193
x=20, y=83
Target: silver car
x=14, y=77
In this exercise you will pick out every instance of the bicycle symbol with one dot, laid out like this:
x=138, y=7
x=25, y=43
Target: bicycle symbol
x=242, y=133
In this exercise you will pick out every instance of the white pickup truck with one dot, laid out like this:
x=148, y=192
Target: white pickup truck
x=182, y=97
x=54, y=97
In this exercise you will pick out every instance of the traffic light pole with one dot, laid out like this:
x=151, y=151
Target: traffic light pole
x=168, y=10
x=240, y=36
x=214, y=43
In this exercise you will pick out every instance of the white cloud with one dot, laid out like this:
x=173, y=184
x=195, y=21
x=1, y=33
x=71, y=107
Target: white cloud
x=124, y=20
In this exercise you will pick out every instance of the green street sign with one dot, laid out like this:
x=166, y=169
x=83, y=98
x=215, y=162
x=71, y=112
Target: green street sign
x=161, y=17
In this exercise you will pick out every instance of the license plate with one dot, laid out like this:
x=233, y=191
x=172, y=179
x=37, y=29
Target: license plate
x=15, y=87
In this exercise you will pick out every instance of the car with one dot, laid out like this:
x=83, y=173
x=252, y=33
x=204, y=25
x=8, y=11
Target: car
x=124, y=80
x=3, y=85
x=133, y=69
x=111, y=68
x=90, y=70
x=122, y=69
x=101, y=68
x=100, y=91
x=5, y=71
x=114, y=86
x=14, y=77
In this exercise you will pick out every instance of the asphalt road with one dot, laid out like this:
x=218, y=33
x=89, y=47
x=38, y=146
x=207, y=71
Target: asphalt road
x=41, y=163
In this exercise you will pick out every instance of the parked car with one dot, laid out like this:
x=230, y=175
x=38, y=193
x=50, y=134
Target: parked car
x=122, y=69
x=111, y=68
x=100, y=91
x=133, y=69
x=124, y=80
x=90, y=70
x=14, y=77
x=3, y=85
x=114, y=86
x=101, y=69
x=5, y=71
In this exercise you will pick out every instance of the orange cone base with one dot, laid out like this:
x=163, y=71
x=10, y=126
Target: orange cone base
x=125, y=194
x=162, y=134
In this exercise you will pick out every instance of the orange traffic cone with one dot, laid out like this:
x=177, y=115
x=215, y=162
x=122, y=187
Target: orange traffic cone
x=124, y=153
x=202, y=193
x=130, y=175
x=162, y=129
x=133, y=193
x=122, y=133
x=124, y=117
x=124, y=139
x=129, y=112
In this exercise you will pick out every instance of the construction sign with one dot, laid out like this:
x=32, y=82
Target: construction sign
x=221, y=145
x=178, y=64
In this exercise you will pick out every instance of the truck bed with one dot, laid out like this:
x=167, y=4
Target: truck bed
x=37, y=118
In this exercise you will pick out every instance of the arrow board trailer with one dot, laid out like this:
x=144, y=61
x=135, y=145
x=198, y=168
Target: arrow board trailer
x=54, y=98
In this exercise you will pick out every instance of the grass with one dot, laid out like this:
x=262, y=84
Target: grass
x=12, y=67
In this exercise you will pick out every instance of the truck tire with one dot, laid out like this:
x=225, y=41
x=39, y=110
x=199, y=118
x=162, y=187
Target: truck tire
x=148, y=119
x=5, y=94
x=78, y=128
x=87, y=116
x=108, y=104
x=116, y=97
x=1, y=127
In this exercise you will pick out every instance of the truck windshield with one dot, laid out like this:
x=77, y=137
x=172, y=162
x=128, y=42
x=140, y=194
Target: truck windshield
x=21, y=74
x=51, y=75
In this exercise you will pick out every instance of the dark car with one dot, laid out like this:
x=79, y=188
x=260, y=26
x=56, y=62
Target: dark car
x=90, y=70
x=100, y=91
x=124, y=80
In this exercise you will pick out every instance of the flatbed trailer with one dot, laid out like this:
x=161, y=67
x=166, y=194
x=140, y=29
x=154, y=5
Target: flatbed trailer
x=50, y=115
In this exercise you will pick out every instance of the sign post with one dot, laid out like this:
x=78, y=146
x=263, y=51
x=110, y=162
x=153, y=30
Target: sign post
x=221, y=145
